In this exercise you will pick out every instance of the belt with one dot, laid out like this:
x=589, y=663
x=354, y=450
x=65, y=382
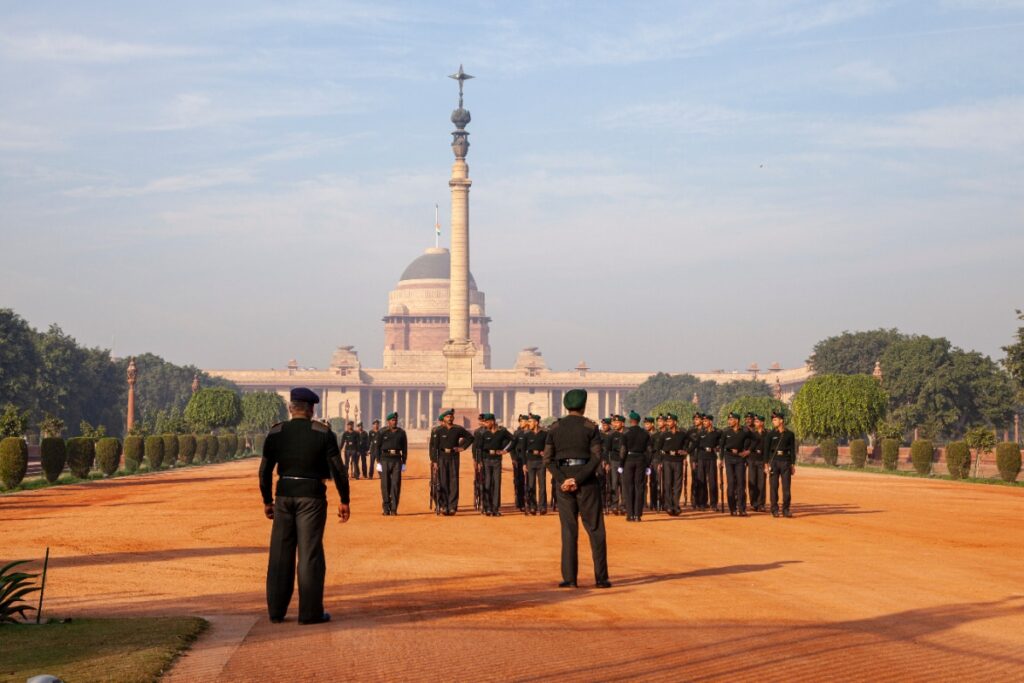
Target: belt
x=780, y=452
x=304, y=478
x=447, y=450
x=494, y=452
x=537, y=452
x=570, y=462
x=392, y=452
x=709, y=450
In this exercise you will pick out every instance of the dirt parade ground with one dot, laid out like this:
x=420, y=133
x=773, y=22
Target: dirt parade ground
x=877, y=577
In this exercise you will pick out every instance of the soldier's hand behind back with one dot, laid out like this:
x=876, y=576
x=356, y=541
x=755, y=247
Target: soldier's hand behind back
x=343, y=512
x=268, y=510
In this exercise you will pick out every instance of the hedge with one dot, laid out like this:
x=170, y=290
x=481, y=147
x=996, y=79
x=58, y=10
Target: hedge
x=108, y=455
x=257, y=443
x=212, y=448
x=1008, y=460
x=81, y=454
x=170, y=449
x=154, y=450
x=224, y=446
x=186, y=448
x=13, y=461
x=133, y=450
x=233, y=443
x=958, y=459
x=53, y=455
x=200, y=448
x=858, y=453
x=829, y=451
x=890, y=453
x=921, y=453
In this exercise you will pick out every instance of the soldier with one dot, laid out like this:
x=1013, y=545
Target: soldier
x=674, y=445
x=615, y=464
x=478, y=467
x=373, y=446
x=693, y=436
x=782, y=454
x=519, y=461
x=572, y=453
x=362, y=448
x=349, y=447
x=735, y=450
x=635, y=452
x=394, y=451
x=496, y=442
x=305, y=453
x=708, y=444
x=432, y=454
x=533, y=467
x=451, y=440
x=603, y=475
x=757, y=463
x=657, y=432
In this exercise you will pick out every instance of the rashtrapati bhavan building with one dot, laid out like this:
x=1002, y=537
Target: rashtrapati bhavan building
x=437, y=350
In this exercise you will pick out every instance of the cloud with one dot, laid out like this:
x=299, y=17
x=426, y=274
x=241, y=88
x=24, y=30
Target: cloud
x=863, y=78
x=19, y=137
x=199, y=110
x=72, y=47
x=681, y=116
x=178, y=183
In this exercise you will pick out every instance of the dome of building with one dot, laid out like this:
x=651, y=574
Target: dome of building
x=434, y=264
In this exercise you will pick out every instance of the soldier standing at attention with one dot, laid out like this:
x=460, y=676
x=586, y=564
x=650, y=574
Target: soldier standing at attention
x=693, y=437
x=450, y=441
x=305, y=453
x=674, y=445
x=432, y=454
x=362, y=448
x=394, y=451
x=603, y=472
x=656, y=430
x=496, y=441
x=373, y=446
x=519, y=462
x=708, y=444
x=572, y=453
x=782, y=451
x=636, y=462
x=615, y=464
x=756, y=463
x=533, y=469
x=736, y=450
x=349, y=447
x=478, y=466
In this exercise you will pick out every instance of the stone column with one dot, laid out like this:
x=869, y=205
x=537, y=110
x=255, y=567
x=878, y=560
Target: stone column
x=132, y=374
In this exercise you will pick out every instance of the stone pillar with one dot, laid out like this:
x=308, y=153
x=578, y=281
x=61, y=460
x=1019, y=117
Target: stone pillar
x=132, y=374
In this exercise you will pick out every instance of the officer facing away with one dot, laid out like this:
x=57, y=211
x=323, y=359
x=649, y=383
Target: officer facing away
x=305, y=453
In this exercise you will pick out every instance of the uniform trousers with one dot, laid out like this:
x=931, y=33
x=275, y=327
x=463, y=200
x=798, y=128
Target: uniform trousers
x=781, y=471
x=348, y=458
x=696, y=483
x=583, y=503
x=492, y=485
x=615, y=485
x=633, y=484
x=736, y=477
x=298, y=526
x=390, y=482
x=448, y=481
x=705, y=477
x=519, y=482
x=672, y=483
x=359, y=465
x=756, y=482
x=374, y=459
x=536, y=485
x=654, y=483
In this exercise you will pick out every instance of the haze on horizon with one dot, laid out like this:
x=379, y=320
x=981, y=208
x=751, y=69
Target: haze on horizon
x=676, y=186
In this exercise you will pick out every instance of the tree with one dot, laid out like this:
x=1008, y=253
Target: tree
x=852, y=353
x=18, y=360
x=759, y=405
x=1014, y=361
x=170, y=421
x=683, y=409
x=981, y=440
x=215, y=408
x=662, y=387
x=164, y=386
x=13, y=422
x=838, y=406
x=261, y=410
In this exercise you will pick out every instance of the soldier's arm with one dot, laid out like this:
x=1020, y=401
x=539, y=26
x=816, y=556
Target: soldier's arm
x=338, y=472
x=549, y=457
x=590, y=469
x=267, y=465
x=403, y=446
x=466, y=439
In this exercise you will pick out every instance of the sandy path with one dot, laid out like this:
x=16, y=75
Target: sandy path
x=877, y=577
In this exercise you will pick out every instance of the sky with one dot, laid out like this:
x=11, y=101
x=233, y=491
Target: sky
x=656, y=186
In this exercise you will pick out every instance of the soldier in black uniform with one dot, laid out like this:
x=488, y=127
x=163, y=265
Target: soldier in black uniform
x=782, y=454
x=603, y=476
x=305, y=453
x=708, y=444
x=674, y=445
x=495, y=442
x=736, y=450
x=693, y=436
x=533, y=469
x=435, y=486
x=349, y=447
x=394, y=451
x=450, y=441
x=518, y=456
x=757, y=464
x=373, y=446
x=615, y=464
x=655, y=429
x=572, y=453
x=478, y=467
x=635, y=452
x=362, y=448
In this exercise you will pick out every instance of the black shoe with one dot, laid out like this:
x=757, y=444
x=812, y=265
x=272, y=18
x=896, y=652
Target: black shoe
x=603, y=584
x=743, y=513
x=276, y=620
x=567, y=584
x=787, y=513
x=543, y=512
x=496, y=513
x=775, y=513
x=322, y=620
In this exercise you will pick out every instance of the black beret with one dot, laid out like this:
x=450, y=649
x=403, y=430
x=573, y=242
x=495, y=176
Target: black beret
x=575, y=399
x=304, y=395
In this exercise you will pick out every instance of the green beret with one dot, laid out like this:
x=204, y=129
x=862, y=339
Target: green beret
x=606, y=420
x=750, y=415
x=779, y=414
x=450, y=411
x=634, y=416
x=535, y=417
x=488, y=416
x=734, y=415
x=759, y=418
x=697, y=414
x=392, y=416
x=575, y=399
x=524, y=417
x=708, y=416
x=649, y=419
x=618, y=418
x=482, y=416
x=672, y=416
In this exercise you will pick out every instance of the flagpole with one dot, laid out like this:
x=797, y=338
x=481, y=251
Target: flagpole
x=437, y=230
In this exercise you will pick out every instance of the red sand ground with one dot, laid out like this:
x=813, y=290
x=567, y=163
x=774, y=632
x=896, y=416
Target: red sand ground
x=879, y=578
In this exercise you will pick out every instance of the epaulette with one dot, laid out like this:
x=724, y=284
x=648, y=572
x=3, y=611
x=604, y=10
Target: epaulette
x=277, y=428
x=320, y=426
x=589, y=422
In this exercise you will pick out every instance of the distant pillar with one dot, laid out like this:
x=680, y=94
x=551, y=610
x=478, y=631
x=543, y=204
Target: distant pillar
x=195, y=383
x=132, y=374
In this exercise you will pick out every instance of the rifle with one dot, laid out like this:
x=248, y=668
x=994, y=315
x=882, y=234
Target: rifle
x=434, y=488
x=686, y=488
x=478, y=486
x=721, y=482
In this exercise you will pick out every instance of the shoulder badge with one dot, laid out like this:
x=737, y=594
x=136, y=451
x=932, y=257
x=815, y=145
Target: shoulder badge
x=589, y=422
x=276, y=428
x=319, y=426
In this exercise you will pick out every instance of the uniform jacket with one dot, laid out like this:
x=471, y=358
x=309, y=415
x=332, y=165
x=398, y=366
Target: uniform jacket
x=572, y=437
x=305, y=449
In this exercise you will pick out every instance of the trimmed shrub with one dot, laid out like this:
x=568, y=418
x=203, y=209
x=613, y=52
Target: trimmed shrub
x=890, y=453
x=13, y=461
x=108, y=455
x=133, y=450
x=53, y=455
x=829, y=451
x=858, y=453
x=958, y=459
x=233, y=444
x=224, y=446
x=257, y=443
x=154, y=450
x=1008, y=460
x=200, y=448
x=81, y=455
x=170, y=449
x=921, y=454
x=186, y=448
x=212, y=448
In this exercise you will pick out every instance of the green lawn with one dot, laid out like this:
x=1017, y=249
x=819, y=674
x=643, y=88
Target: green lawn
x=96, y=649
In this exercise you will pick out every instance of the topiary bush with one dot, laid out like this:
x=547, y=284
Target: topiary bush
x=224, y=446
x=958, y=459
x=212, y=448
x=154, y=450
x=1008, y=460
x=186, y=448
x=133, y=450
x=858, y=453
x=890, y=454
x=170, y=449
x=233, y=445
x=257, y=443
x=922, y=452
x=108, y=455
x=13, y=461
x=81, y=455
x=53, y=455
x=200, y=448
x=829, y=451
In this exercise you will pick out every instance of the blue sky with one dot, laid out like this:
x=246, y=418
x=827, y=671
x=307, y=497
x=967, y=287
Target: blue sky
x=679, y=186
